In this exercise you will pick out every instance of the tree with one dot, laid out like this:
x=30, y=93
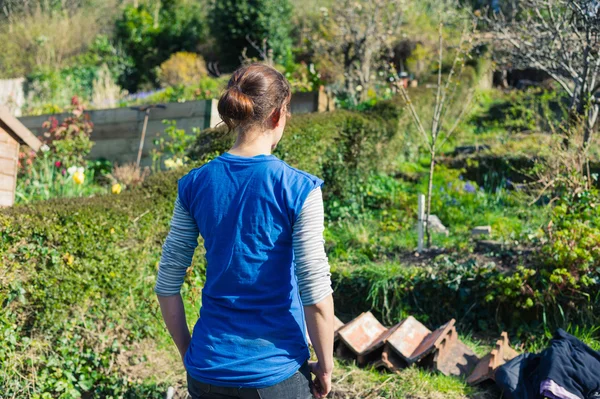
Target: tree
x=561, y=38
x=443, y=123
x=354, y=35
x=234, y=23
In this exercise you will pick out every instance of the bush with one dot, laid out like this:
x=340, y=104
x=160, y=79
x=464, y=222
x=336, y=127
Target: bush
x=149, y=38
x=231, y=21
x=182, y=69
x=76, y=292
x=480, y=296
x=342, y=147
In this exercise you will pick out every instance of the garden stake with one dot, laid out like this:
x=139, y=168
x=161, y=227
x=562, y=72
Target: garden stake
x=421, y=217
x=146, y=109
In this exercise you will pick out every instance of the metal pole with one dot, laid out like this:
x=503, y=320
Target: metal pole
x=421, y=222
x=139, y=156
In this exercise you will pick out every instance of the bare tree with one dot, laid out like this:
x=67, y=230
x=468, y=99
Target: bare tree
x=354, y=35
x=443, y=124
x=561, y=38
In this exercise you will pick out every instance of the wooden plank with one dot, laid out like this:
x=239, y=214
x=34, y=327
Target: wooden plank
x=5, y=137
x=8, y=166
x=9, y=147
x=7, y=198
x=116, y=131
x=17, y=130
x=7, y=182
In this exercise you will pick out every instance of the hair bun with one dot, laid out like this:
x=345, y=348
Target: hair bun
x=235, y=107
x=253, y=92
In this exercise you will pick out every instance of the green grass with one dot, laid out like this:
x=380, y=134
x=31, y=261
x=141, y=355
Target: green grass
x=350, y=381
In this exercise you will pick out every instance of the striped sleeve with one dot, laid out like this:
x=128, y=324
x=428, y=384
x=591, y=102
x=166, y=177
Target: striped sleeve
x=312, y=266
x=177, y=252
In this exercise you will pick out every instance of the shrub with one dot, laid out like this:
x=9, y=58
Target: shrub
x=182, y=69
x=76, y=292
x=129, y=175
x=342, y=147
x=150, y=37
x=232, y=21
x=69, y=140
x=481, y=296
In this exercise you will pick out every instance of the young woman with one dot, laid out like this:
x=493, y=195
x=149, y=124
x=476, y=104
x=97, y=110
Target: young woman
x=267, y=275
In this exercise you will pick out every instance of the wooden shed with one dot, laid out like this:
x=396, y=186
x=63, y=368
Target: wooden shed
x=12, y=135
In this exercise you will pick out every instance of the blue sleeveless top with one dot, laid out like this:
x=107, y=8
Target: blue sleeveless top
x=251, y=330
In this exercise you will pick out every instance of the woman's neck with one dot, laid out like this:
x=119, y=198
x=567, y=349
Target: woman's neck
x=248, y=145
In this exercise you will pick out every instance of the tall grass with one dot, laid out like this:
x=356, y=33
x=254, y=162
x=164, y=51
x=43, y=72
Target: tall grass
x=37, y=37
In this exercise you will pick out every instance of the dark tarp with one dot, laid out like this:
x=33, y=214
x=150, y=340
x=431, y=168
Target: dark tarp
x=567, y=361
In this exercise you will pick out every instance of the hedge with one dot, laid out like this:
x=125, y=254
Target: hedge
x=76, y=290
x=341, y=147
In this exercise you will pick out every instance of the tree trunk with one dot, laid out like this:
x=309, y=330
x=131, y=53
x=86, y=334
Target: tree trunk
x=429, y=194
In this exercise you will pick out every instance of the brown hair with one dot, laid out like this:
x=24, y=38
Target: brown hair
x=253, y=93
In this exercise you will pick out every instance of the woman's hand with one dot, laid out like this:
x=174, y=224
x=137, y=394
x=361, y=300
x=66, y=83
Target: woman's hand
x=322, y=384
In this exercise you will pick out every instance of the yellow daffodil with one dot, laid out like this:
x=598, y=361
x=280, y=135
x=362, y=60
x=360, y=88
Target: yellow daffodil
x=69, y=259
x=116, y=188
x=79, y=177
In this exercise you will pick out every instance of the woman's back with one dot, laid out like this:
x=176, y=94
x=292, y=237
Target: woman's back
x=245, y=208
x=267, y=275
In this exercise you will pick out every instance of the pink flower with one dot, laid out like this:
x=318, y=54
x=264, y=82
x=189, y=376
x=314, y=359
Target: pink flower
x=57, y=164
x=63, y=172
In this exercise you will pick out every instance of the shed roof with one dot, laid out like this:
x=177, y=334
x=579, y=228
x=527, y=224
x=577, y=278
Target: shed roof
x=17, y=130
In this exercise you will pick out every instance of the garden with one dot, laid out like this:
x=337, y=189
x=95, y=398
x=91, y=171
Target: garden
x=417, y=113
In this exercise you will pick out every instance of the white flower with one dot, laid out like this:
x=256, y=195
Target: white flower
x=72, y=170
x=44, y=148
x=169, y=164
x=359, y=88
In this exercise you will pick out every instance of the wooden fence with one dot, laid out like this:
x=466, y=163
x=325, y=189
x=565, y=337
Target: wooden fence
x=117, y=132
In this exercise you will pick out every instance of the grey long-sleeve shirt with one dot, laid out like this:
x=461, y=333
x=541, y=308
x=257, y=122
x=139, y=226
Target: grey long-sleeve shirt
x=311, y=264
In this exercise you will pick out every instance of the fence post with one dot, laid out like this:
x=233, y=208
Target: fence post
x=421, y=222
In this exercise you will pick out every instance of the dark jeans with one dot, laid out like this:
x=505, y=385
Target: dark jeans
x=295, y=387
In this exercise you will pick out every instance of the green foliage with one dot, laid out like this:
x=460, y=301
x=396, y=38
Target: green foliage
x=150, y=37
x=46, y=178
x=76, y=293
x=346, y=149
x=171, y=149
x=102, y=51
x=231, y=21
x=528, y=110
x=69, y=141
x=479, y=295
x=571, y=249
x=54, y=88
x=303, y=77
